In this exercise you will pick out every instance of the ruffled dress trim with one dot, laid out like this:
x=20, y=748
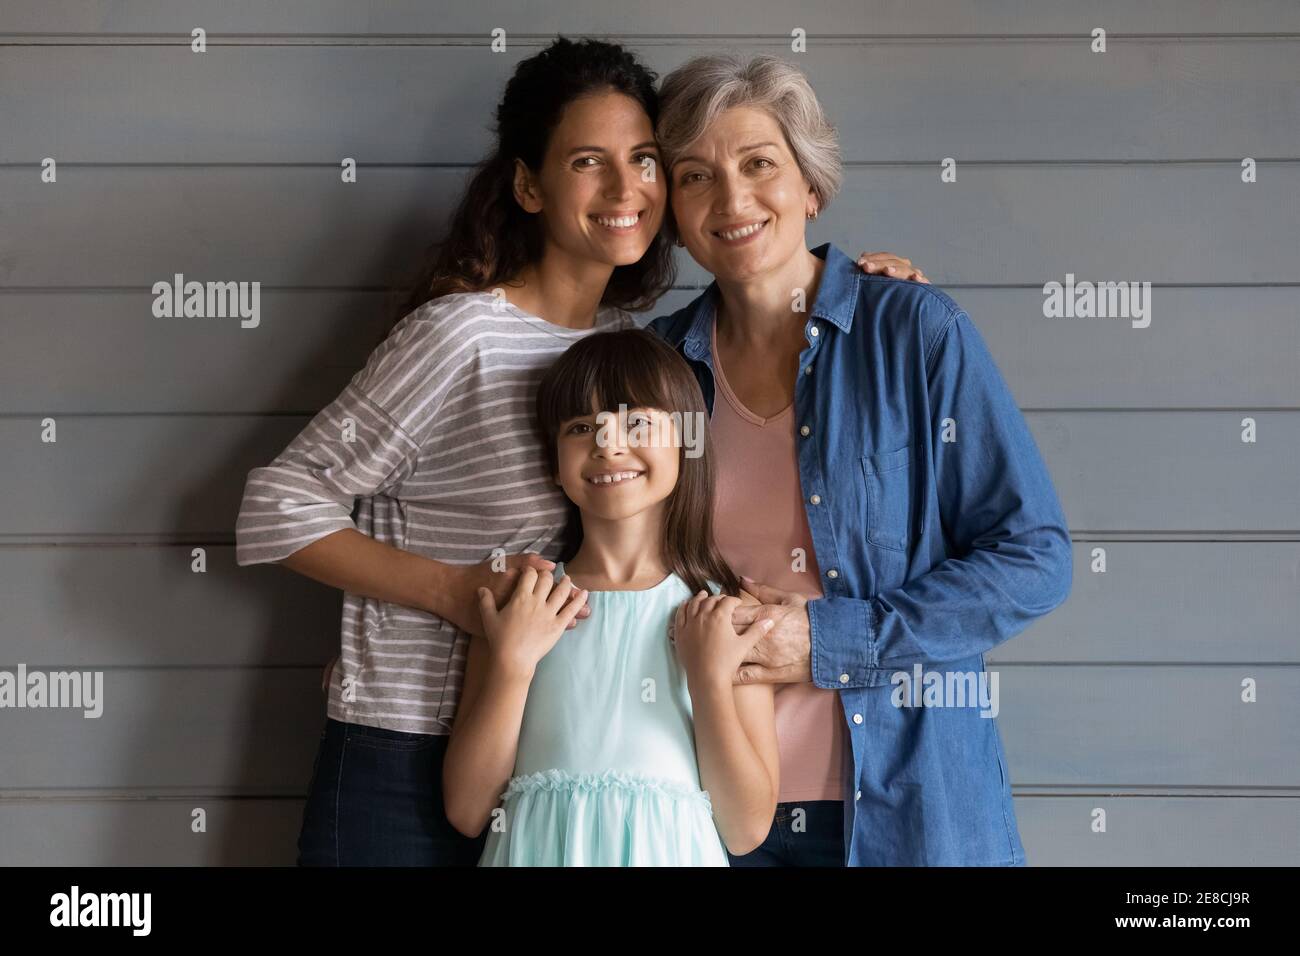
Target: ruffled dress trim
x=637, y=783
x=615, y=818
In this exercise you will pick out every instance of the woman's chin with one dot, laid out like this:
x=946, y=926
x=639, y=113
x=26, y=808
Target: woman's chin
x=624, y=255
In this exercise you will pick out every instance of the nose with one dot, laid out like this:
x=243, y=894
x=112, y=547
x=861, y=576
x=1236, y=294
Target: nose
x=731, y=196
x=611, y=438
x=621, y=184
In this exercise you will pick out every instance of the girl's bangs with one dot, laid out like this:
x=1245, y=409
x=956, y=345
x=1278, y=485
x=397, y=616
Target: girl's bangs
x=612, y=375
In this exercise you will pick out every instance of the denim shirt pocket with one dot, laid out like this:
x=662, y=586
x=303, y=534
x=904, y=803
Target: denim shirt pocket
x=888, y=476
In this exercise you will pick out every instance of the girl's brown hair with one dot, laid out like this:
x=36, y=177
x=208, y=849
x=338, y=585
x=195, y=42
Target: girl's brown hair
x=636, y=368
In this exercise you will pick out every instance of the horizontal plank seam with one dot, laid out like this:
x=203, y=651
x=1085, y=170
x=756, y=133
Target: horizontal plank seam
x=183, y=39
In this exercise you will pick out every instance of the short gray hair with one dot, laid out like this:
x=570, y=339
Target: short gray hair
x=697, y=92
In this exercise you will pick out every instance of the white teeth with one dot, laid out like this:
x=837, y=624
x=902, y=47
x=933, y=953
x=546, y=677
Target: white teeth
x=743, y=231
x=622, y=222
x=613, y=478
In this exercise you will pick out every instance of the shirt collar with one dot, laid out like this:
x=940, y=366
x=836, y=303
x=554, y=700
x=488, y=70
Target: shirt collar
x=837, y=300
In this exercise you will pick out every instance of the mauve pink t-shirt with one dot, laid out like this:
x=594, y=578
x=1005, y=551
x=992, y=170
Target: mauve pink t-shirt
x=759, y=522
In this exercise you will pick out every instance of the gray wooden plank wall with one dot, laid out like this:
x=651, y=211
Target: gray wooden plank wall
x=224, y=165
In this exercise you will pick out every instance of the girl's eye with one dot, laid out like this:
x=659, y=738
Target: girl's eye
x=577, y=427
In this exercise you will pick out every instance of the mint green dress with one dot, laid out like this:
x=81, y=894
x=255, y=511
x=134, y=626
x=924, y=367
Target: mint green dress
x=606, y=771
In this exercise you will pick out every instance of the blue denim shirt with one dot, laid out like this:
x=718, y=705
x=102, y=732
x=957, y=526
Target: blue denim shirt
x=938, y=535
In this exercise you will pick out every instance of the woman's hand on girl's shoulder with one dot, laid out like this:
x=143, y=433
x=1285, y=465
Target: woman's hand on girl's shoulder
x=532, y=621
x=458, y=586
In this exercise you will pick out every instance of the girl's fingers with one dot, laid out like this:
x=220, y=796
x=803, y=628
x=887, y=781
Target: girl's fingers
x=569, y=612
x=560, y=593
x=529, y=559
x=544, y=583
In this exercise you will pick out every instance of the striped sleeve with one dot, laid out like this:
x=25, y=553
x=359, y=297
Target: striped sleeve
x=356, y=446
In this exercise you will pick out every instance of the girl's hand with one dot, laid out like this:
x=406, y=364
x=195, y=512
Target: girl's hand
x=460, y=585
x=707, y=644
x=888, y=264
x=539, y=611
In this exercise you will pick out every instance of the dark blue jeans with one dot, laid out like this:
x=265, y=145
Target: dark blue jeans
x=818, y=842
x=375, y=799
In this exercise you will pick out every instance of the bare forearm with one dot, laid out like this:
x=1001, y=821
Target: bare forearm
x=358, y=563
x=731, y=770
x=481, y=753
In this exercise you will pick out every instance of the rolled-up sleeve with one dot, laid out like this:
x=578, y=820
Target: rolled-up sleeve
x=1010, y=551
x=350, y=449
x=364, y=443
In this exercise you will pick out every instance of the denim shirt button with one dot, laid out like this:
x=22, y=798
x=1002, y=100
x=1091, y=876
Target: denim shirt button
x=816, y=499
x=807, y=369
x=857, y=718
x=832, y=573
x=844, y=678
x=814, y=331
x=857, y=795
x=805, y=431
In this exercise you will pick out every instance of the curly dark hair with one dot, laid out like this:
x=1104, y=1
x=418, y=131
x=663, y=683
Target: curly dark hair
x=491, y=238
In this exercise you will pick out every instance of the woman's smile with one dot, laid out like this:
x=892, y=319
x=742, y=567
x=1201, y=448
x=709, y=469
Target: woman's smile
x=620, y=223
x=741, y=233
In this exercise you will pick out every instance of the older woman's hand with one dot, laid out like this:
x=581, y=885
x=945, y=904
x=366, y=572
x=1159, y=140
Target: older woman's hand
x=784, y=654
x=888, y=264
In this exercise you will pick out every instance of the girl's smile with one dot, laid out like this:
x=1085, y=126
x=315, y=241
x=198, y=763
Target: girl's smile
x=610, y=479
x=613, y=467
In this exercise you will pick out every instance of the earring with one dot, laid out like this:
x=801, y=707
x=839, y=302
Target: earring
x=812, y=215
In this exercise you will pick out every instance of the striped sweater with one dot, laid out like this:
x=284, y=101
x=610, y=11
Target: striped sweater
x=430, y=448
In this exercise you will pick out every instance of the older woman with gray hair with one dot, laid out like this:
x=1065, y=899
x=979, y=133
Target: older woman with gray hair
x=878, y=487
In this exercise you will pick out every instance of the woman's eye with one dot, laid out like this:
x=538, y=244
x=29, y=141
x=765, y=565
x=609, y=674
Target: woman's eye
x=581, y=162
x=762, y=160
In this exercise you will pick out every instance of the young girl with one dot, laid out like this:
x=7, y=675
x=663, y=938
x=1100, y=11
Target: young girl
x=618, y=744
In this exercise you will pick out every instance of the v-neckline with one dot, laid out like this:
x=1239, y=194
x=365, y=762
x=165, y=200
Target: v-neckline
x=731, y=397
